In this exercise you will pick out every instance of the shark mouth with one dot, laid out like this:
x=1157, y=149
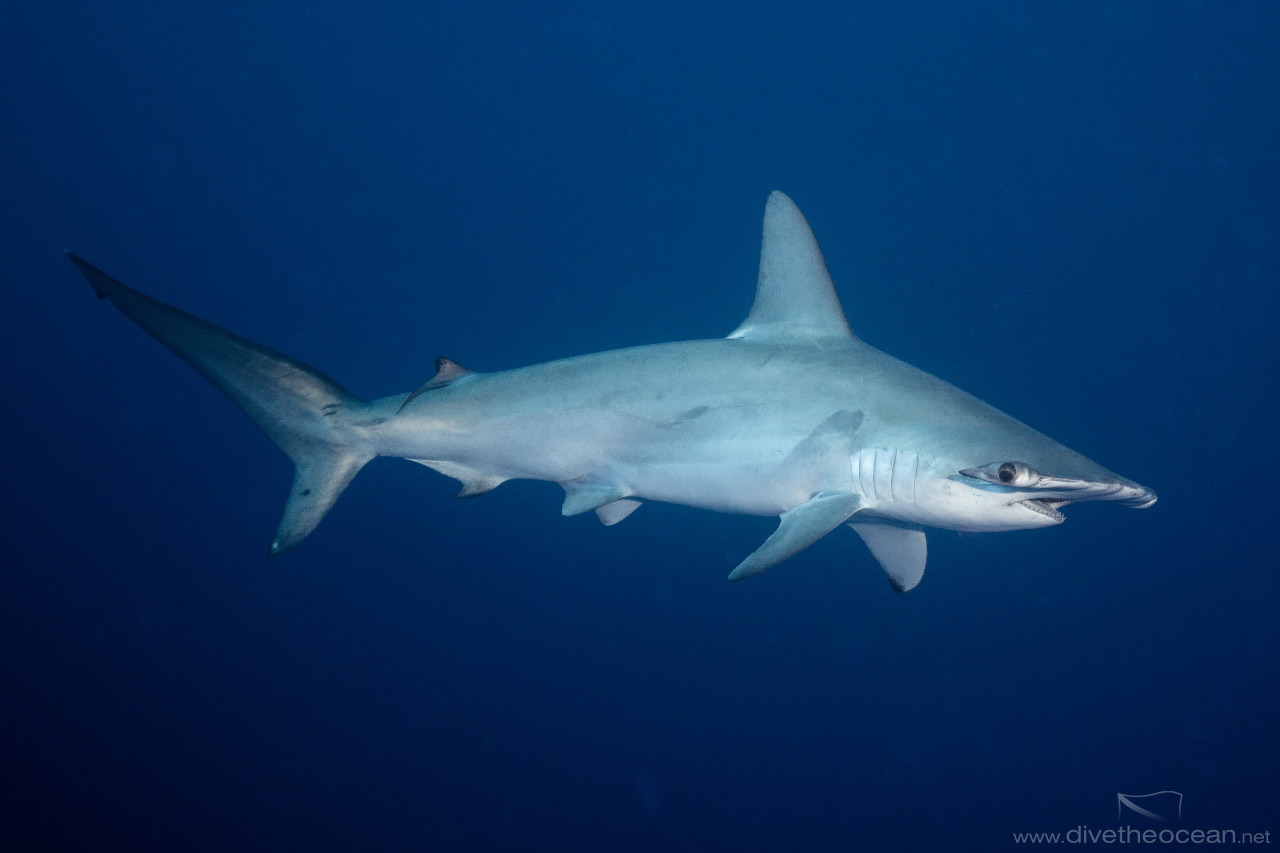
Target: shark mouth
x=1133, y=495
x=1046, y=507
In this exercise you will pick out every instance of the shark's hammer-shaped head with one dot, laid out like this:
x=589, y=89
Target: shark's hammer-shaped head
x=1004, y=477
x=1026, y=487
x=1019, y=494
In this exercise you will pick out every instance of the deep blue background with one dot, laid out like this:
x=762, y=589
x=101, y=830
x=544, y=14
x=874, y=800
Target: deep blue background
x=1070, y=210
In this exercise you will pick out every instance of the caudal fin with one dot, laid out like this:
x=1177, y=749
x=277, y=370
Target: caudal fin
x=313, y=419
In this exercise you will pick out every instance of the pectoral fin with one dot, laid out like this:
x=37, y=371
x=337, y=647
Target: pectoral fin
x=799, y=528
x=900, y=549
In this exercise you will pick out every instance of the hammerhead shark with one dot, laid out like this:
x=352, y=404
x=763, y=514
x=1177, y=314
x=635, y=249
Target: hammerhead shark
x=791, y=415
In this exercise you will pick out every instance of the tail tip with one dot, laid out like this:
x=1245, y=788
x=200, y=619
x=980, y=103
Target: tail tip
x=103, y=285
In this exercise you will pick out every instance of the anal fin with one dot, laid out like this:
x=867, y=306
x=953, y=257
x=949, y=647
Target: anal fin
x=799, y=528
x=583, y=495
x=615, y=511
x=900, y=549
x=473, y=482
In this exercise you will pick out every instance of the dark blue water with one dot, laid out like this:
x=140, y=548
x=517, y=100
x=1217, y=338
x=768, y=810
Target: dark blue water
x=1071, y=210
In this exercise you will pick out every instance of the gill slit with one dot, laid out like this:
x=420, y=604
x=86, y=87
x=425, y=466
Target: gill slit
x=875, y=458
x=915, y=469
x=893, y=471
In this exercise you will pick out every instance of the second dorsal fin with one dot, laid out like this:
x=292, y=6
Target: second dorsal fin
x=448, y=372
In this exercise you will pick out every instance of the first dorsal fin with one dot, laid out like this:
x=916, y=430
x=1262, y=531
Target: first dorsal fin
x=448, y=371
x=795, y=299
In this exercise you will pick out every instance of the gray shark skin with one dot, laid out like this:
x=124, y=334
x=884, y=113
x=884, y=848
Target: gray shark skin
x=791, y=415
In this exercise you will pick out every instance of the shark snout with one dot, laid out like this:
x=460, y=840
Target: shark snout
x=1117, y=491
x=1138, y=497
x=1031, y=486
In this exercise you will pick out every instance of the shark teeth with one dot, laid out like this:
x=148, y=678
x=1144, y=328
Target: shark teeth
x=1045, y=507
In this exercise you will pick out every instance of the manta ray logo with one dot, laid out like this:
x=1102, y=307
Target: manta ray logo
x=1162, y=806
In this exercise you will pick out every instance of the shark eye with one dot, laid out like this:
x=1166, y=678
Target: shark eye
x=1017, y=475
